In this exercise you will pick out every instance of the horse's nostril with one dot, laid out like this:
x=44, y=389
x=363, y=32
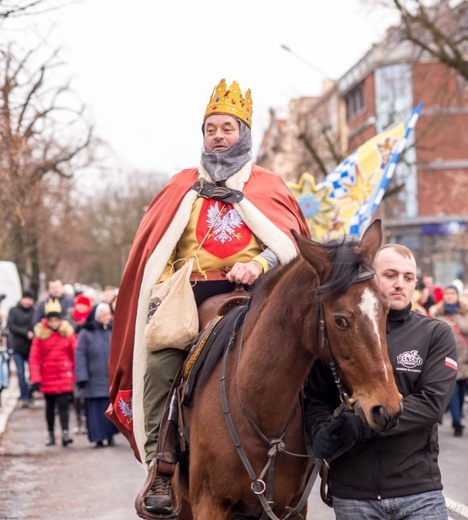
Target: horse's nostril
x=380, y=416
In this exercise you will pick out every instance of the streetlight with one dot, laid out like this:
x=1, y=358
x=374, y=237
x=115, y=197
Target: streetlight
x=288, y=49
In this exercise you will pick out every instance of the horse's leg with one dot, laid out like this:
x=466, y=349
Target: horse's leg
x=185, y=512
x=208, y=508
x=186, y=509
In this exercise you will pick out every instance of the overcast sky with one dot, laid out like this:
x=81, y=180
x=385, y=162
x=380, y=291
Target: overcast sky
x=146, y=68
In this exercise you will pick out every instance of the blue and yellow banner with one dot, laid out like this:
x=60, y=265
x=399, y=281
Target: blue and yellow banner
x=343, y=202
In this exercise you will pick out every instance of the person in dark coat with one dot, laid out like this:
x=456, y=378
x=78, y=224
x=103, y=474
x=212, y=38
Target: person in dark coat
x=20, y=327
x=78, y=314
x=396, y=473
x=92, y=373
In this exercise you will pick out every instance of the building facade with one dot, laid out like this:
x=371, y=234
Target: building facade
x=426, y=203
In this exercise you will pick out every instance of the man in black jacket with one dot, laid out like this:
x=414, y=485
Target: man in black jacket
x=20, y=327
x=396, y=472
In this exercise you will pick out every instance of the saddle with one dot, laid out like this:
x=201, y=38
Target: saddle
x=221, y=304
x=220, y=335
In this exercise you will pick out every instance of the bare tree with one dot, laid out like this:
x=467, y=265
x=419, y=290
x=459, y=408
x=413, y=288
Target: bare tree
x=109, y=222
x=44, y=134
x=436, y=29
x=14, y=8
x=439, y=28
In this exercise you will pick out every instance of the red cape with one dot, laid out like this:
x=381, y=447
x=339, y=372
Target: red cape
x=273, y=199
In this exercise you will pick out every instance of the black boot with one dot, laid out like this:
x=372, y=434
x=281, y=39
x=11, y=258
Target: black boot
x=50, y=439
x=66, y=440
x=159, y=498
x=458, y=430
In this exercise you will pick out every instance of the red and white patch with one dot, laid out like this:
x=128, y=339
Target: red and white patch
x=451, y=363
x=123, y=408
x=229, y=234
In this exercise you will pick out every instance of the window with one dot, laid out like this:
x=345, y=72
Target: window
x=463, y=82
x=354, y=100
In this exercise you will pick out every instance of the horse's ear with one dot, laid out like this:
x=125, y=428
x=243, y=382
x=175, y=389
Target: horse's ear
x=371, y=240
x=312, y=252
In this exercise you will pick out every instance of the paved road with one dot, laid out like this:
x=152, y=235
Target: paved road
x=81, y=482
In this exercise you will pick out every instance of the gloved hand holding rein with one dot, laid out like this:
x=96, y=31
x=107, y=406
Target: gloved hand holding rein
x=341, y=432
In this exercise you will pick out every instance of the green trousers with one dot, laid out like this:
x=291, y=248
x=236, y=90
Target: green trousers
x=161, y=369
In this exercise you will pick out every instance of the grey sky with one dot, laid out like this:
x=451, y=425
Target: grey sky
x=146, y=68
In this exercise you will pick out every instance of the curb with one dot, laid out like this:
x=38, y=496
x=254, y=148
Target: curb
x=456, y=510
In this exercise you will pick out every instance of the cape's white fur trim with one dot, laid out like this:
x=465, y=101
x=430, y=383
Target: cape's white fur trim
x=153, y=270
x=266, y=231
x=263, y=228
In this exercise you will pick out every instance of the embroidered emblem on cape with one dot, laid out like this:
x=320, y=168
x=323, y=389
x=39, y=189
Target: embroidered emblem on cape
x=410, y=359
x=451, y=363
x=229, y=235
x=123, y=408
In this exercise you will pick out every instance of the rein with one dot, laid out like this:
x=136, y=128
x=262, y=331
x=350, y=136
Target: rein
x=258, y=486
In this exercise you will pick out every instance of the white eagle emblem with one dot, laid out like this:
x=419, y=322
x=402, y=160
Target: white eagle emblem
x=126, y=408
x=224, y=226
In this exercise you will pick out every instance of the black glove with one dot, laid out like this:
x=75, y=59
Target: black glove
x=343, y=431
x=35, y=387
x=82, y=384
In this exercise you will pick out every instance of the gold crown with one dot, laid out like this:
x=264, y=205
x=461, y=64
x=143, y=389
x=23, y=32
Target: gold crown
x=230, y=101
x=52, y=306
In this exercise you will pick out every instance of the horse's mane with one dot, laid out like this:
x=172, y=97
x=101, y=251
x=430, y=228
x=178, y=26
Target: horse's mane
x=347, y=262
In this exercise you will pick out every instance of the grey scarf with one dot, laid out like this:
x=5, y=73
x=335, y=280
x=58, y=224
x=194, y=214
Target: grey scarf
x=221, y=165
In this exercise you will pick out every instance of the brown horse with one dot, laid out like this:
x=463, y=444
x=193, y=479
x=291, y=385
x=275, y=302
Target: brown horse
x=324, y=303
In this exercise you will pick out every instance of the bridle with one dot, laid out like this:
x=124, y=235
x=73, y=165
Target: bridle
x=276, y=445
x=365, y=273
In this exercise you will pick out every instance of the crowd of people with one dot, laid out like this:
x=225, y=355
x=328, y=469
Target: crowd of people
x=449, y=304
x=60, y=346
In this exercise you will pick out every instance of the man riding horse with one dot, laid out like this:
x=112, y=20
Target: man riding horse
x=227, y=212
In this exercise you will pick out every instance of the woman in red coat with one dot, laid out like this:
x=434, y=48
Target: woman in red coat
x=51, y=364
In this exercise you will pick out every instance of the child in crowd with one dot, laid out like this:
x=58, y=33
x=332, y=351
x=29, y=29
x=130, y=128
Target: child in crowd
x=51, y=364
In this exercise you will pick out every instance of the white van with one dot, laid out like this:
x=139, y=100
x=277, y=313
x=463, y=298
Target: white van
x=10, y=289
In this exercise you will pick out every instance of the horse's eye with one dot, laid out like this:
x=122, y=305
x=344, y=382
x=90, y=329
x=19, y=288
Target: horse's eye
x=341, y=322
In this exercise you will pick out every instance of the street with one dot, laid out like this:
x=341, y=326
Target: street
x=83, y=482
x=51, y=483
